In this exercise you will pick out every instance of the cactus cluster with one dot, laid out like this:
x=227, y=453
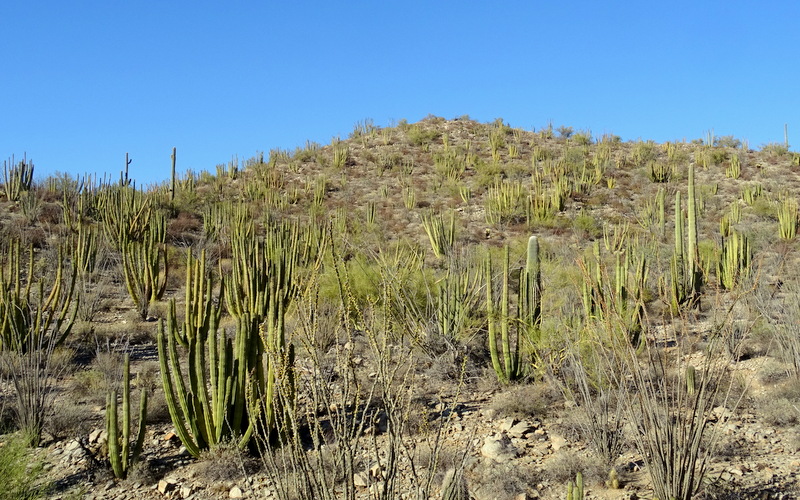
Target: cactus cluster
x=17, y=178
x=35, y=311
x=508, y=332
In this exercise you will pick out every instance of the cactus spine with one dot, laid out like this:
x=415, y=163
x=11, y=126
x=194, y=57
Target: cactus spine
x=120, y=454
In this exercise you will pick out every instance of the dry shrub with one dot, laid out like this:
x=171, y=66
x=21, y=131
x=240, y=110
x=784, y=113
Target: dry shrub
x=71, y=420
x=524, y=401
x=564, y=465
x=225, y=462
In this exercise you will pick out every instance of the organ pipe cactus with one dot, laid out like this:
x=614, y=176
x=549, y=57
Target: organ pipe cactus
x=120, y=454
x=505, y=342
x=575, y=490
x=623, y=298
x=207, y=404
x=440, y=234
x=734, y=263
x=145, y=266
x=33, y=312
x=17, y=178
x=686, y=276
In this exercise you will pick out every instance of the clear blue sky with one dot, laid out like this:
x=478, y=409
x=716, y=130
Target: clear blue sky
x=84, y=82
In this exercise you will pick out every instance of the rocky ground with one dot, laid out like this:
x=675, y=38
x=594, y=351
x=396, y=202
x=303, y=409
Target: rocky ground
x=510, y=456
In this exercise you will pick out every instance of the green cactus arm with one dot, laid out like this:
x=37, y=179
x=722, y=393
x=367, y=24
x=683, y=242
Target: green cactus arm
x=170, y=380
x=492, y=321
x=112, y=430
x=126, y=410
x=140, y=434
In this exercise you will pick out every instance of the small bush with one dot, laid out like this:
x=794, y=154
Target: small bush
x=523, y=401
x=22, y=470
x=225, y=462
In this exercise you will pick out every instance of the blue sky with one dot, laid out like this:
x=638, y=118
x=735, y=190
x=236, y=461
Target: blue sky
x=84, y=82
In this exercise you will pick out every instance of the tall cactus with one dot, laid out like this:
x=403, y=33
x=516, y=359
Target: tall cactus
x=17, y=178
x=506, y=350
x=441, y=235
x=575, y=490
x=145, y=266
x=695, y=274
x=208, y=404
x=35, y=311
x=120, y=454
x=686, y=276
x=530, y=292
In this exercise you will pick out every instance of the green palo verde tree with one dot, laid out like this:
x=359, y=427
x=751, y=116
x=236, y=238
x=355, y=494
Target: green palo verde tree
x=506, y=332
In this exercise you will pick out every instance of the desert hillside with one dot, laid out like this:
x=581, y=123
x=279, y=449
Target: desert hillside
x=445, y=309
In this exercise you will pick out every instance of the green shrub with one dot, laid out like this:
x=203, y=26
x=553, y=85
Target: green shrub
x=22, y=470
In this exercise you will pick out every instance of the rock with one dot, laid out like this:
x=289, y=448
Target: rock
x=186, y=491
x=165, y=486
x=499, y=448
x=236, y=492
x=557, y=442
x=361, y=479
x=94, y=436
x=506, y=424
x=72, y=446
x=520, y=429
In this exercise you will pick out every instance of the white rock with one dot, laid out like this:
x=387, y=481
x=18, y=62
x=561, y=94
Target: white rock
x=499, y=448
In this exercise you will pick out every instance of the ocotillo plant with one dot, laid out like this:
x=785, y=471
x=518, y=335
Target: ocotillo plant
x=33, y=312
x=120, y=454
